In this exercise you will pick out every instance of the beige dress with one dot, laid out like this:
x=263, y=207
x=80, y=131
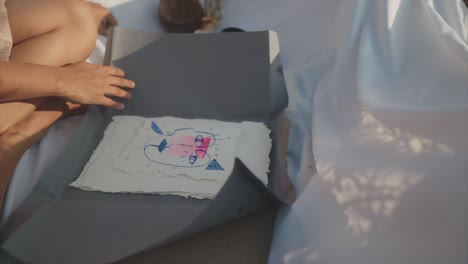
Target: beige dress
x=6, y=41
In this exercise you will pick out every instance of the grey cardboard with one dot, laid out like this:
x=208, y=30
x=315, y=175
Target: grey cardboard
x=225, y=76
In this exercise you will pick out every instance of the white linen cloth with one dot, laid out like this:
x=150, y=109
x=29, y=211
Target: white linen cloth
x=387, y=104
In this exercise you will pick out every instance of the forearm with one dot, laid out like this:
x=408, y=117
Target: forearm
x=20, y=81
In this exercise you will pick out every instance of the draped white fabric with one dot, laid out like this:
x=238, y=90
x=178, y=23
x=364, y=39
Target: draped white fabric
x=389, y=137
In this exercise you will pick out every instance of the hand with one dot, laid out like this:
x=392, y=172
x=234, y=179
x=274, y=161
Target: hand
x=86, y=83
x=104, y=18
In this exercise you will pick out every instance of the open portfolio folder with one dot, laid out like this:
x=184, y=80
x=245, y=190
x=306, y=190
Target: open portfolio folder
x=228, y=78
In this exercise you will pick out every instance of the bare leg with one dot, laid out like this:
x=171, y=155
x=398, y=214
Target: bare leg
x=16, y=140
x=52, y=32
x=47, y=32
x=13, y=112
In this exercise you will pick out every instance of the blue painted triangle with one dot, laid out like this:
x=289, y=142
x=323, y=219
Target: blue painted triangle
x=156, y=128
x=214, y=165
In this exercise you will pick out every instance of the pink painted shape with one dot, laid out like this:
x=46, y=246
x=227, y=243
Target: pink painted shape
x=204, y=146
x=189, y=148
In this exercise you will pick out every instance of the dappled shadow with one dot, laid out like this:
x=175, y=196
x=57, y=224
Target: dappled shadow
x=399, y=139
x=369, y=196
x=304, y=254
x=383, y=164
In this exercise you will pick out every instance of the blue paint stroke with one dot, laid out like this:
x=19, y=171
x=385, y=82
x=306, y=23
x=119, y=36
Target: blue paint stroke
x=156, y=128
x=193, y=158
x=162, y=146
x=199, y=141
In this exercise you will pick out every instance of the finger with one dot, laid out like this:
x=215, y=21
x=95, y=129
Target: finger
x=111, y=70
x=111, y=103
x=122, y=82
x=117, y=92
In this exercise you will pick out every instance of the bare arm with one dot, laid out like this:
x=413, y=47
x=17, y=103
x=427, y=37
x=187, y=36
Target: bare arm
x=82, y=83
x=26, y=81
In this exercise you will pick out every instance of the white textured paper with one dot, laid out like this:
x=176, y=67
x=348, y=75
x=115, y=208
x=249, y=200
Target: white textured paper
x=119, y=163
x=254, y=147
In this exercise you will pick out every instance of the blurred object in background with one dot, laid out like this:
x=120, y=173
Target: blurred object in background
x=180, y=16
x=212, y=15
x=187, y=16
x=232, y=29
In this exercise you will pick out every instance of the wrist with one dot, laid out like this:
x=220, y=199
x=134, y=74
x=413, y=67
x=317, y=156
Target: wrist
x=59, y=88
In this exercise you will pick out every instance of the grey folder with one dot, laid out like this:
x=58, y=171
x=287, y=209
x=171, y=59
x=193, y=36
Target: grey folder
x=225, y=76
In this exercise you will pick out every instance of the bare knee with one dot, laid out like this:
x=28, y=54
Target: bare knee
x=81, y=27
x=67, y=35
